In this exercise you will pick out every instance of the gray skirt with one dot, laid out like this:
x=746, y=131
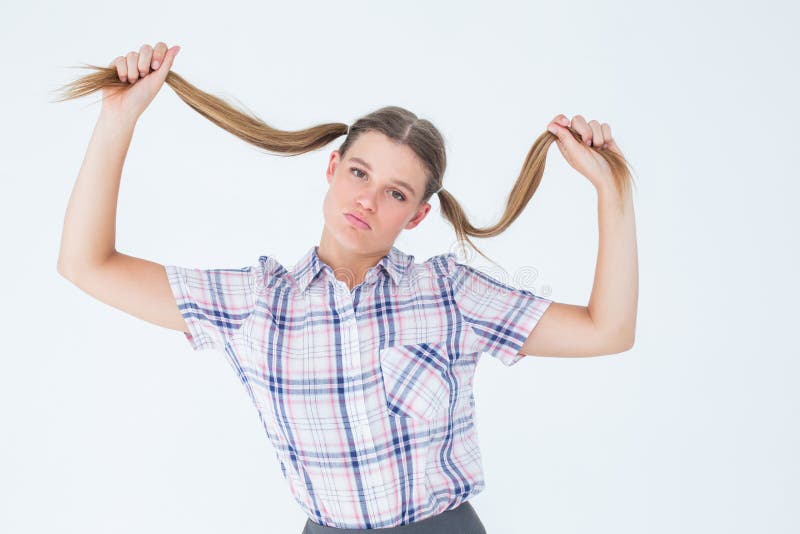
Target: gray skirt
x=460, y=520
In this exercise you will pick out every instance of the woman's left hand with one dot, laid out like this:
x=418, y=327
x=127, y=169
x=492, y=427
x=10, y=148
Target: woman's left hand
x=580, y=157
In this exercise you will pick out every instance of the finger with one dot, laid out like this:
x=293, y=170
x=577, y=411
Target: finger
x=145, y=56
x=561, y=119
x=122, y=68
x=133, y=70
x=169, y=57
x=158, y=54
x=611, y=144
x=579, y=123
x=565, y=137
x=606, y=134
x=597, y=133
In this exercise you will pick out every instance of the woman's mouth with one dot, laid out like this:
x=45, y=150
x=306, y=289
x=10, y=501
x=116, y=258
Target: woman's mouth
x=355, y=221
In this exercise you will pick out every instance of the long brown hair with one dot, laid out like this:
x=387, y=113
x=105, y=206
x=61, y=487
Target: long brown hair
x=395, y=122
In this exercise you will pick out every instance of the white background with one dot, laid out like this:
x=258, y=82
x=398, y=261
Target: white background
x=113, y=424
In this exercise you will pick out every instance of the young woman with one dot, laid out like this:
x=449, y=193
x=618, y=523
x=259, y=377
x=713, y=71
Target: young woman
x=359, y=360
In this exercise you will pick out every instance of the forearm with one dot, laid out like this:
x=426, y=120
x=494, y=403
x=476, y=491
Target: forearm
x=88, y=235
x=613, y=303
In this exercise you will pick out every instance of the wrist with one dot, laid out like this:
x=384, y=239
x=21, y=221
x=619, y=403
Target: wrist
x=610, y=194
x=118, y=118
x=605, y=185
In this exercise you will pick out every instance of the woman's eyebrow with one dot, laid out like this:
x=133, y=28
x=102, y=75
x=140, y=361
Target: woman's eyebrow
x=393, y=180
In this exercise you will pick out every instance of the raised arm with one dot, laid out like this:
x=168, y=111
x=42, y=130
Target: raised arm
x=608, y=324
x=88, y=256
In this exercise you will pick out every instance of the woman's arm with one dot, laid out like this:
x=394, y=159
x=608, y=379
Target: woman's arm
x=614, y=299
x=87, y=239
x=88, y=236
x=88, y=255
x=608, y=324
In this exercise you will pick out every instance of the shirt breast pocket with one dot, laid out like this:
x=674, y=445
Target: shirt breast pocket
x=416, y=379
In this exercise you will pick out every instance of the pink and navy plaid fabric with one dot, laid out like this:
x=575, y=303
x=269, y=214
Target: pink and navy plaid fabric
x=366, y=395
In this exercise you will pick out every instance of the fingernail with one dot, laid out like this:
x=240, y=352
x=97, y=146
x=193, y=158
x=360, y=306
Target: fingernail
x=553, y=129
x=156, y=64
x=565, y=121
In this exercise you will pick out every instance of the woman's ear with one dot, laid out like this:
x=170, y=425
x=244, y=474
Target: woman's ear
x=333, y=161
x=421, y=213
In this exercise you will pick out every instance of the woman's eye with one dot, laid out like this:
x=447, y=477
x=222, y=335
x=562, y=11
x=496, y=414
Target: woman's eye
x=357, y=170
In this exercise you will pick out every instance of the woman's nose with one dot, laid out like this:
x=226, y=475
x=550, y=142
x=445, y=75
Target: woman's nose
x=367, y=199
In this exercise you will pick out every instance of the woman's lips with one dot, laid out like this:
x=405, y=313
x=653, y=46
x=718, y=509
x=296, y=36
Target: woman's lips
x=355, y=221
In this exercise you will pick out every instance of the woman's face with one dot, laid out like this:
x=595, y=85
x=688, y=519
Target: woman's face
x=367, y=183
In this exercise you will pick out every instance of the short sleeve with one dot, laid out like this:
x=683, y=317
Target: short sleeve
x=501, y=316
x=213, y=302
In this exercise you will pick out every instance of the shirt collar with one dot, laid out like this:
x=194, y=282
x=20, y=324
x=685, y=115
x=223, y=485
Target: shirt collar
x=395, y=262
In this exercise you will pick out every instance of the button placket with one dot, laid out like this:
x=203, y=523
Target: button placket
x=373, y=475
x=354, y=354
x=354, y=347
x=358, y=409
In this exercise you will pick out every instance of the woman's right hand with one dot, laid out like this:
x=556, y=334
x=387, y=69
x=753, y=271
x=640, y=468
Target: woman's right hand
x=145, y=73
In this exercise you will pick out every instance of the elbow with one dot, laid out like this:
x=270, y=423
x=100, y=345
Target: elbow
x=622, y=340
x=629, y=341
x=631, y=334
x=66, y=272
x=615, y=337
x=62, y=270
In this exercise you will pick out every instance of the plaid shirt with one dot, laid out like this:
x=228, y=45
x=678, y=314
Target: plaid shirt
x=366, y=395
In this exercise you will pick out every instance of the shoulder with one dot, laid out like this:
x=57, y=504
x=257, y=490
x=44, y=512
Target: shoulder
x=434, y=270
x=447, y=266
x=465, y=278
x=268, y=272
x=441, y=263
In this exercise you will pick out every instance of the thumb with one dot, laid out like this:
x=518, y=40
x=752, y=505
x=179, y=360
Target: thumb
x=564, y=135
x=169, y=57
